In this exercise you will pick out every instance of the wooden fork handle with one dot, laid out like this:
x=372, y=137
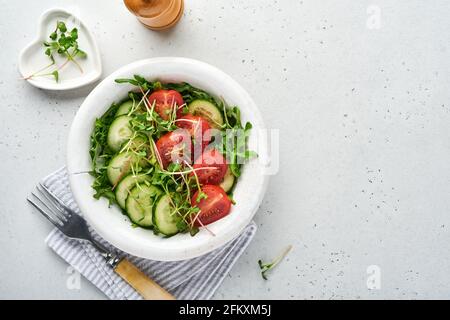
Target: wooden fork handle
x=145, y=286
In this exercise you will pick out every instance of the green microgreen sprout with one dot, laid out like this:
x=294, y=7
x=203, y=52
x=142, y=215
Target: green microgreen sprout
x=63, y=43
x=265, y=267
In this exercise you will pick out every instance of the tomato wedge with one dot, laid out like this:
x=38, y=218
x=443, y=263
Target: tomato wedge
x=199, y=129
x=196, y=125
x=213, y=207
x=175, y=146
x=216, y=164
x=165, y=101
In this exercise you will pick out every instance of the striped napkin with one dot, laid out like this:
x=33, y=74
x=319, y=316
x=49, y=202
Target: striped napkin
x=196, y=278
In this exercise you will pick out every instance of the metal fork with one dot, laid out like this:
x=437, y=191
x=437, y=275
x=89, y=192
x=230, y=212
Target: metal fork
x=75, y=227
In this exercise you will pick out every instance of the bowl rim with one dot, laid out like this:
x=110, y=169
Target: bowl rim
x=157, y=252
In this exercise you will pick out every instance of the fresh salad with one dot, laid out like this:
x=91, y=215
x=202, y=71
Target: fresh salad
x=169, y=156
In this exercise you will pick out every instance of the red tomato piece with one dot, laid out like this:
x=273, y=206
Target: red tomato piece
x=216, y=164
x=165, y=101
x=175, y=146
x=199, y=129
x=213, y=207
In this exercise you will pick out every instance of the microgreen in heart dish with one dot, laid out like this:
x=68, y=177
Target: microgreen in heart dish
x=64, y=43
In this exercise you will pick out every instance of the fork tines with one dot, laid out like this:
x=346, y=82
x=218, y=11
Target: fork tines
x=50, y=206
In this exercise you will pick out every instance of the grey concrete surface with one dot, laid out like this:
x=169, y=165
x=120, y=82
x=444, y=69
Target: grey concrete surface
x=360, y=93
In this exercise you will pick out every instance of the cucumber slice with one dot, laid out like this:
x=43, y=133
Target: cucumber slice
x=140, y=202
x=125, y=108
x=120, y=166
x=207, y=110
x=124, y=187
x=119, y=132
x=228, y=181
x=138, y=143
x=164, y=217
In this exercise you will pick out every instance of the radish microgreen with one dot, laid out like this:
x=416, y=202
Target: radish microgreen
x=266, y=267
x=63, y=43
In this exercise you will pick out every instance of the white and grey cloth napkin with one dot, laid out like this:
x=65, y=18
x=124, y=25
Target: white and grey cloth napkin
x=196, y=278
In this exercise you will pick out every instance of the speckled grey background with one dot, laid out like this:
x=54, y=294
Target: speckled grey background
x=364, y=114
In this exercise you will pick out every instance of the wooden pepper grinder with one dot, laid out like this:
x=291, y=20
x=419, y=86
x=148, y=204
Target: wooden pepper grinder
x=156, y=14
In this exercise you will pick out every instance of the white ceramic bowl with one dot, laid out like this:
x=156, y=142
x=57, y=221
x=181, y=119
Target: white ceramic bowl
x=109, y=222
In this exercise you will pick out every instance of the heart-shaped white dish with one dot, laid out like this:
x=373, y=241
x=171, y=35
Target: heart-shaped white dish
x=32, y=57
